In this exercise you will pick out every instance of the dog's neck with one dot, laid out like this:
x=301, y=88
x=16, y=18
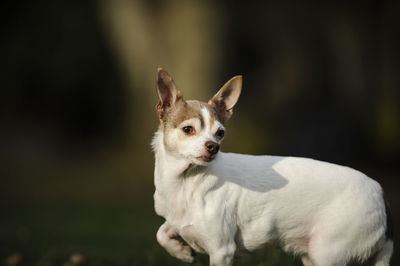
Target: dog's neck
x=168, y=167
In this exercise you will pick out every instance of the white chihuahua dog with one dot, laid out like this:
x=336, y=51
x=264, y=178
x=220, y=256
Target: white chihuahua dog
x=224, y=203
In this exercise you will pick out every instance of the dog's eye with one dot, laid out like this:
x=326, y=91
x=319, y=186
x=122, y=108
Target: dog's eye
x=189, y=130
x=220, y=133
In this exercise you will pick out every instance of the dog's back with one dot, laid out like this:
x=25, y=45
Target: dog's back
x=304, y=203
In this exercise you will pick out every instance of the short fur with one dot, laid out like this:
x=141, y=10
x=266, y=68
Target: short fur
x=221, y=203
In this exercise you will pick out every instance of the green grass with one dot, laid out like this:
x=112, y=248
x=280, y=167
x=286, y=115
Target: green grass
x=49, y=233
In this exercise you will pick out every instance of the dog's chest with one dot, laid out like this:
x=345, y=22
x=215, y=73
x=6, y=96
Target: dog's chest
x=174, y=206
x=180, y=214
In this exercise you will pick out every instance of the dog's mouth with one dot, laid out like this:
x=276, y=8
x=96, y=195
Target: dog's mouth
x=205, y=158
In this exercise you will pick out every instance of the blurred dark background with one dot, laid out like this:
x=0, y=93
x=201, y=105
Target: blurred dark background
x=77, y=99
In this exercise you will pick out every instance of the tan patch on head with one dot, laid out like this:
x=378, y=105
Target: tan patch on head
x=185, y=110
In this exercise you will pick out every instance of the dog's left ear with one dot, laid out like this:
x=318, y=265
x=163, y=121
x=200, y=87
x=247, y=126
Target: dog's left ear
x=226, y=97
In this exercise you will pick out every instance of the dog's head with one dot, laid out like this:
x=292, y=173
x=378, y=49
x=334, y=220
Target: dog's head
x=193, y=130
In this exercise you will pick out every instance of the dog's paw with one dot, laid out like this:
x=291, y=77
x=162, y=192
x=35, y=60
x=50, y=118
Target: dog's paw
x=185, y=254
x=178, y=250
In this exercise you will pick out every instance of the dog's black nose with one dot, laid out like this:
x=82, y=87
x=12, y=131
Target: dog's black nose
x=212, y=147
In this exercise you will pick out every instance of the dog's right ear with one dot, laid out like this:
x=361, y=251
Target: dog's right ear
x=167, y=92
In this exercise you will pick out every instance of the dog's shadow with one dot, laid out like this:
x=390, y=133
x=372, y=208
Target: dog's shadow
x=255, y=175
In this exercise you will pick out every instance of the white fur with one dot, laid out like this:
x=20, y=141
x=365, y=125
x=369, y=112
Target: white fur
x=328, y=214
x=210, y=128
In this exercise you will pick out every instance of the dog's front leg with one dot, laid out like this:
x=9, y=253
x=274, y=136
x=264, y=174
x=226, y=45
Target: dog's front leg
x=222, y=256
x=165, y=236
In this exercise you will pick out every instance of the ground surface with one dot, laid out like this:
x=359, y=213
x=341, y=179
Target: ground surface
x=55, y=233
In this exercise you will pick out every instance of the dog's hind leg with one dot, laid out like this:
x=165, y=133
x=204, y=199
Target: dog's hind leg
x=327, y=250
x=384, y=254
x=165, y=236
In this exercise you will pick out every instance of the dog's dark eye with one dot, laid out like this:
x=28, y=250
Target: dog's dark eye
x=220, y=133
x=189, y=130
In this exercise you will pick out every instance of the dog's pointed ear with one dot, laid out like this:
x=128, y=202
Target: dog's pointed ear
x=226, y=97
x=168, y=94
